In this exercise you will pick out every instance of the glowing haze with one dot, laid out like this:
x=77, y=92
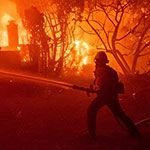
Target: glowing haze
x=8, y=12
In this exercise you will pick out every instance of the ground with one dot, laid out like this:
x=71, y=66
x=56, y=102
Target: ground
x=34, y=116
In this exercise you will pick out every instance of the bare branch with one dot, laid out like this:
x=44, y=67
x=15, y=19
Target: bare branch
x=117, y=43
x=131, y=31
x=86, y=31
x=139, y=49
x=144, y=54
x=98, y=35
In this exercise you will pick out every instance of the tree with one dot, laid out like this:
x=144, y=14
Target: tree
x=52, y=29
x=122, y=29
x=61, y=24
x=34, y=23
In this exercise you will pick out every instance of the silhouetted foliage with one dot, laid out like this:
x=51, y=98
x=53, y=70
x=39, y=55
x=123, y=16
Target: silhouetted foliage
x=49, y=23
x=122, y=28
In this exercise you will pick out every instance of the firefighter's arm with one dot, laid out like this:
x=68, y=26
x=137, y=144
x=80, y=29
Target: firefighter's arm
x=96, y=84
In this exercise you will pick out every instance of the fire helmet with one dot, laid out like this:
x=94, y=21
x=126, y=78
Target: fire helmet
x=101, y=57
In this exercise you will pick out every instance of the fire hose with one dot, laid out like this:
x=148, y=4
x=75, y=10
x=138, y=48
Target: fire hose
x=47, y=81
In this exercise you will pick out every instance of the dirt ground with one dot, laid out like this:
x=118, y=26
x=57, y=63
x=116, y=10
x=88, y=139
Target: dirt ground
x=40, y=117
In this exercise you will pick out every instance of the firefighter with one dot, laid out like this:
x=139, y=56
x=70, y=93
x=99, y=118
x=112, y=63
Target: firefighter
x=106, y=84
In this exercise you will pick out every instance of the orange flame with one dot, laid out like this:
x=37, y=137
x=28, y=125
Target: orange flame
x=79, y=56
x=6, y=17
x=4, y=21
x=79, y=53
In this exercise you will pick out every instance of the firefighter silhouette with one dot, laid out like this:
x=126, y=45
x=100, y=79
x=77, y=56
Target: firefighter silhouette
x=106, y=84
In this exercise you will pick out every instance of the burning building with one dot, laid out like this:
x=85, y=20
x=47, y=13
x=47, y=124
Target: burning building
x=10, y=57
x=16, y=40
x=12, y=29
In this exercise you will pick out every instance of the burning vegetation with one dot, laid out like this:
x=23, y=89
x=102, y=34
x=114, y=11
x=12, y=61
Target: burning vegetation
x=60, y=38
x=57, y=37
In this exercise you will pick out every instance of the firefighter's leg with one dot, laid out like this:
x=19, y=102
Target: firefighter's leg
x=118, y=112
x=92, y=110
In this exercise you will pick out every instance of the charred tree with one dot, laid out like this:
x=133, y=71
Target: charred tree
x=122, y=30
x=34, y=22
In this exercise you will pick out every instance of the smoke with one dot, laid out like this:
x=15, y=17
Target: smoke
x=22, y=5
x=8, y=11
x=7, y=6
